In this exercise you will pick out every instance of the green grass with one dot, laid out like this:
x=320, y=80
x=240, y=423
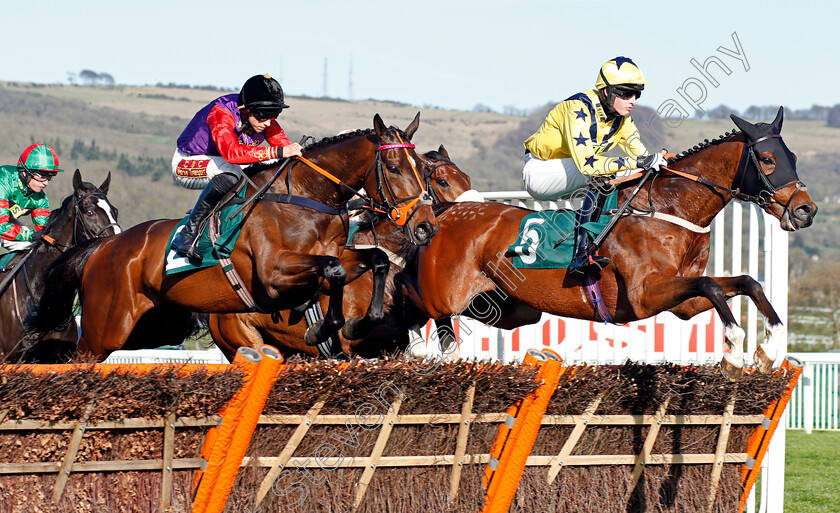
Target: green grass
x=812, y=472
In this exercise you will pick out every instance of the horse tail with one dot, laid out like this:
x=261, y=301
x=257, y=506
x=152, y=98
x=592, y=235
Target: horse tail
x=63, y=279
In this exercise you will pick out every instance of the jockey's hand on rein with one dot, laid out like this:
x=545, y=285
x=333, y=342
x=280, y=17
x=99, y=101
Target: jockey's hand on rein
x=654, y=161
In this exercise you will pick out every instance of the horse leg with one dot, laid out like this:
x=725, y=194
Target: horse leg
x=108, y=318
x=450, y=346
x=377, y=261
x=408, y=295
x=232, y=331
x=774, y=331
x=334, y=273
x=666, y=292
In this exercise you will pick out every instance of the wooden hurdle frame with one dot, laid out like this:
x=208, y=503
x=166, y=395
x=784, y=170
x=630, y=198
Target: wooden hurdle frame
x=225, y=445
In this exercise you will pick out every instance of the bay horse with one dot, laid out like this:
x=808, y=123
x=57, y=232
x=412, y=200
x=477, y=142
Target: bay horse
x=286, y=251
x=657, y=260
x=85, y=214
x=383, y=331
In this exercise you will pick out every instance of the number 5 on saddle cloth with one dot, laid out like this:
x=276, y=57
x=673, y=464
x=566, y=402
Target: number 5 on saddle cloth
x=546, y=239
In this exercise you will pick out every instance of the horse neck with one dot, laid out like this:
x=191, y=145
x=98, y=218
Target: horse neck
x=692, y=201
x=62, y=223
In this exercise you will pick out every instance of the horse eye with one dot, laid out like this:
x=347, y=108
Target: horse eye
x=442, y=182
x=393, y=168
x=90, y=212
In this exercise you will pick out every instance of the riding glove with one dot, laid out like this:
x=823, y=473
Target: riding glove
x=654, y=161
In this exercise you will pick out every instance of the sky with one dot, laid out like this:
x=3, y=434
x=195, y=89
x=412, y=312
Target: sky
x=507, y=55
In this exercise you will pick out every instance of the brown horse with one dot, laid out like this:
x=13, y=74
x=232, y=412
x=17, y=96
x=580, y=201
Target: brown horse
x=657, y=260
x=386, y=329
x=286, y=251
x=83, y=215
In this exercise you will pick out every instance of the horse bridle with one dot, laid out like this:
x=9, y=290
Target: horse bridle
x=400, y=215
x=767, y=196
x=428, y=179
x=79, y=218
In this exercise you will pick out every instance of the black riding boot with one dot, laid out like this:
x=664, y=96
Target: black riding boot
x=185, y=241
x=586, y=256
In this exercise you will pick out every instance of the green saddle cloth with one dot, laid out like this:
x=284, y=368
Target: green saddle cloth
x=6, y=259
x=539, y=233
x=228, y=234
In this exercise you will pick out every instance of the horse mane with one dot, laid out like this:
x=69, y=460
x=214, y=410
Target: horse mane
x=703, y=145
x=336, y=138
x=435, y=155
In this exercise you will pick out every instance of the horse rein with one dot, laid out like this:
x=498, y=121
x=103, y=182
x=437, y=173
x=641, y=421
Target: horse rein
x=763, y=200
x=399, y=215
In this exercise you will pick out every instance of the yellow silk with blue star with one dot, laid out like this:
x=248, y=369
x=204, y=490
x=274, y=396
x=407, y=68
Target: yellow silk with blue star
x=579, y=129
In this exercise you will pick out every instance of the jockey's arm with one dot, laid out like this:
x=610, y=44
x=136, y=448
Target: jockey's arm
x=10, y=230
x=576, y=131
x=222, y=130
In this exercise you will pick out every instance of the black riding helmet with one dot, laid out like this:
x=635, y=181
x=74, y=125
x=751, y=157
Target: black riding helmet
x=262, y=96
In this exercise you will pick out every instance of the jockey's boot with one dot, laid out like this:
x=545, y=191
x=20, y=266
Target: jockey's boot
x=586, y=256
x=185, y=241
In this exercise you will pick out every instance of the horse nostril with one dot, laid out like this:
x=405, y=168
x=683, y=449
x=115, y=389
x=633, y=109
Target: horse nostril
x=804, y=212
x=423, y=231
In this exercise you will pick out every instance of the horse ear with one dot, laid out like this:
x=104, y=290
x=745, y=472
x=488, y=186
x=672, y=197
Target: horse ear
x=379, y=126
x=443, y=152
x=106, y=184
x=745, y=126
x=412, y=127
x=777, y=123
x=77, y=180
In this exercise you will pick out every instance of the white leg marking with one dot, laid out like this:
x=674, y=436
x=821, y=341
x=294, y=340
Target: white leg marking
x=772, y=337
x=735, y=340
x=416, y=349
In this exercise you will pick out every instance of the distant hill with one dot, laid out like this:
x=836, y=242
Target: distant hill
x=131, y=131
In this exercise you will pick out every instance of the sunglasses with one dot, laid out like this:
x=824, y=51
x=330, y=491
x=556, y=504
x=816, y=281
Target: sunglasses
x=44, y=177
x=264, y=116
x=626, y=94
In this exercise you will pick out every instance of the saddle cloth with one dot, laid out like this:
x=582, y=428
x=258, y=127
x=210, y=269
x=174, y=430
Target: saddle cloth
x=539, y=234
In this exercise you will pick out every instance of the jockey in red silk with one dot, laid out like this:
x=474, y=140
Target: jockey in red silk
x=22, y=192
x=226, y=136
x=569, y=148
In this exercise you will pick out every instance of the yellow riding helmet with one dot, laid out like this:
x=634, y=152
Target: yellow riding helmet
x=620, y=71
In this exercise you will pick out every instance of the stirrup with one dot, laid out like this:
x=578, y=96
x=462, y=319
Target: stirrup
x=191, y=251
x=593, y=263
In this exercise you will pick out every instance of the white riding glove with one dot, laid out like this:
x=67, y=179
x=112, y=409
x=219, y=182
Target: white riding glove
x=654, y=161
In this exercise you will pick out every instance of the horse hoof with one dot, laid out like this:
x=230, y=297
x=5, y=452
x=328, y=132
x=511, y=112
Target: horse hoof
x=763, y=363
x=351, y=329
x=311, y=335
x=729, y=371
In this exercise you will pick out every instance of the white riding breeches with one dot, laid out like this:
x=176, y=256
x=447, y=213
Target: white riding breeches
x=552, y=179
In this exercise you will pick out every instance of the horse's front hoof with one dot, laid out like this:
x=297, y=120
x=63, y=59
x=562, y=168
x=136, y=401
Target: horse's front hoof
x=311, y=335
x=352, y=329
x=729, y=371
x=763, y=363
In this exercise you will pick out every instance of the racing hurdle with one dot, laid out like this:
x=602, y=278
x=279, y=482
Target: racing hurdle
x=266, y=435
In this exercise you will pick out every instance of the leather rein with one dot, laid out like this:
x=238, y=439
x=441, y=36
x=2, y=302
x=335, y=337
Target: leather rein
x=764, y=199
